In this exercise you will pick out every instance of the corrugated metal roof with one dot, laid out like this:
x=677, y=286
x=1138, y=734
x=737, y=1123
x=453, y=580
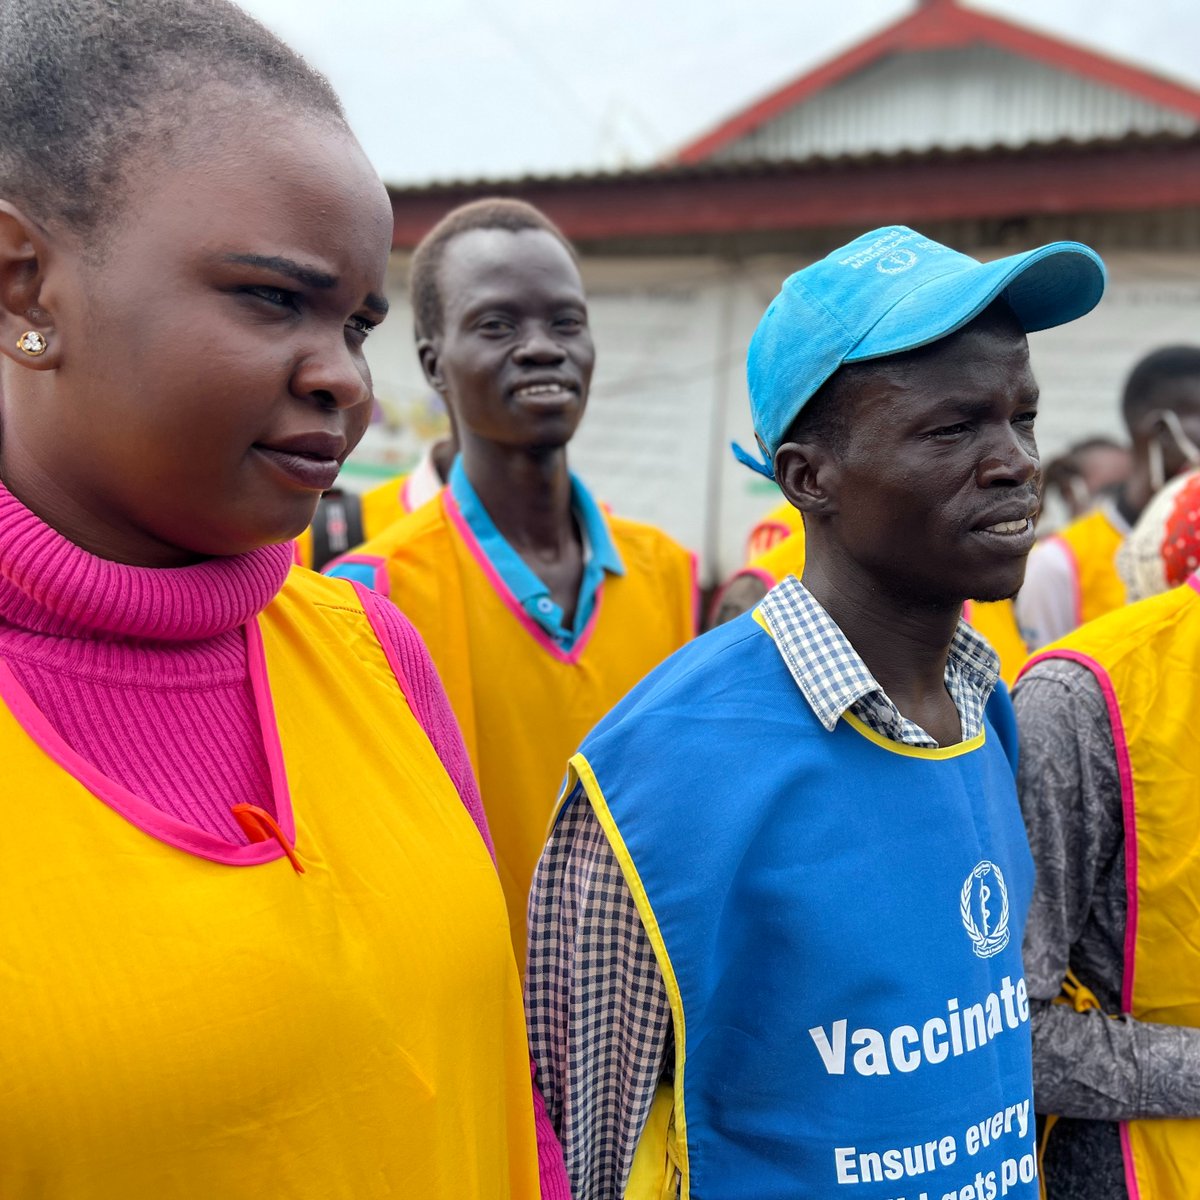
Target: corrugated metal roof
x=969, y=97
x=944, y=25
x=722, y=168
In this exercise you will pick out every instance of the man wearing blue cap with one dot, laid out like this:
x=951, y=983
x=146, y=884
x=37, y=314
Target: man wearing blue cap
x=775, y=933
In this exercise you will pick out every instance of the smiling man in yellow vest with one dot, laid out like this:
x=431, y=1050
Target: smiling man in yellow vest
x=1072, y=576
x=774, y=948
x=539, y=609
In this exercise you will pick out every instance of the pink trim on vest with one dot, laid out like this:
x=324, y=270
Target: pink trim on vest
x=530, y=626
x=1125, y=772
x=406, y=502
x=385, y=642
x=264, y=705
x=1131, y=1183
x=1193, y=581
x=143, y=816
x=381, y=584
x=1129, y=815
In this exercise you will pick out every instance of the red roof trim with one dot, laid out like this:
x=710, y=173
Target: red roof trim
x=1135, y=175
x=943, y=24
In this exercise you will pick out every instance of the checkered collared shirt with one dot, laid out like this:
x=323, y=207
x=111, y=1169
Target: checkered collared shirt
x=599, y=1020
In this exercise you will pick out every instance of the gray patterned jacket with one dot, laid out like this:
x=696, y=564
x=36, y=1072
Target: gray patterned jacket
x=1092, y=1070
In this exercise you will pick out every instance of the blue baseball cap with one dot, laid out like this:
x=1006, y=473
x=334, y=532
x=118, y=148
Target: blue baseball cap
x=892, y=290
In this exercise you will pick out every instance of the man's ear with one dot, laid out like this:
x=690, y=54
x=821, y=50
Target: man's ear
x=808, y=475
x=24, y=251
x=429, y=352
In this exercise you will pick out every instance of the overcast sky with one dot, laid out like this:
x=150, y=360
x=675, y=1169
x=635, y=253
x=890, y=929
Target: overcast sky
x=461, y=89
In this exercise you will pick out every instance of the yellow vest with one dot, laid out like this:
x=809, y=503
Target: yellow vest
x=383, y=504
x=778, y=524
x=184, y=1018
x=1147, y=661
x=1092, y=543
x=784, y=558
x=996, y=621
x=523, y=704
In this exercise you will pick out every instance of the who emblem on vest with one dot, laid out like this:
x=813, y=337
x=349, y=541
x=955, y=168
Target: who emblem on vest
x=983, y=904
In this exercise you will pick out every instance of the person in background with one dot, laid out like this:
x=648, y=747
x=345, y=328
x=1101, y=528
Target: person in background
x=793, y=855
x=1072, y=576
x=1109, y=779
x=396, y=498
x=751, y=582
x=1163, y=549
x=252, y=945
x=540, y=609
x=344, y=519
x=1089, y=470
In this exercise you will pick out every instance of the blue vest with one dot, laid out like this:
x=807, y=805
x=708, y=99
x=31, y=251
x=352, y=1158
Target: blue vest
x=838, y=920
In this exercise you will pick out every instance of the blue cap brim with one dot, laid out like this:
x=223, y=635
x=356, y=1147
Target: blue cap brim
x=1049, y=286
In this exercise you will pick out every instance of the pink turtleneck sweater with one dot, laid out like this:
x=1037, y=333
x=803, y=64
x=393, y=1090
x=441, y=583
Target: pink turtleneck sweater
x=135, y=667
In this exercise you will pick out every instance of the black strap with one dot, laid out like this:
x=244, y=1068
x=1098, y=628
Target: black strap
x=337, y=526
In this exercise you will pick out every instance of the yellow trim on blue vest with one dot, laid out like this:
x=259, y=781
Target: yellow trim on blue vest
x=886, y=743
x=564, y=794
x=582, y=769
x=914, y=751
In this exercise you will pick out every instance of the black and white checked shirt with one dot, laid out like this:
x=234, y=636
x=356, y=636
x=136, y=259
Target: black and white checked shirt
x=599, y=1020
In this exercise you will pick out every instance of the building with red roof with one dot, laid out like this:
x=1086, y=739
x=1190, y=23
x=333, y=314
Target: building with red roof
x=981, y=132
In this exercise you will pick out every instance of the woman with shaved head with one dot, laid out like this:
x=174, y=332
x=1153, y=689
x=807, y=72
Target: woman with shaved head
x=251, y=947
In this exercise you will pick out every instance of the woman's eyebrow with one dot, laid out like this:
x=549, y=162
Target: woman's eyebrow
x=310, y=276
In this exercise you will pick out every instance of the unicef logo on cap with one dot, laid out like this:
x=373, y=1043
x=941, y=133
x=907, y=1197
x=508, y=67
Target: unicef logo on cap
x=897, y=262
x=983, y=905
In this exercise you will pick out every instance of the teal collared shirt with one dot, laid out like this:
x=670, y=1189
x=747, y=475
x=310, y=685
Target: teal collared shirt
x=600, y=557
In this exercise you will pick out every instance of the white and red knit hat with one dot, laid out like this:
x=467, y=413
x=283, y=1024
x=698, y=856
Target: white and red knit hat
x=1164, y=547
